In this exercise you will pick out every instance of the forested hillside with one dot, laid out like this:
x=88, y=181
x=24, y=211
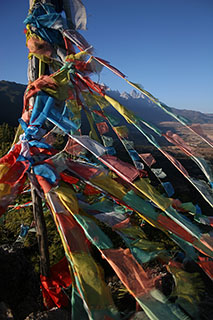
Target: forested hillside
x=11, y=102
x=7, y=133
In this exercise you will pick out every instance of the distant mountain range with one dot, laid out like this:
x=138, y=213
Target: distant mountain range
x=142, y=106
x=11, y=104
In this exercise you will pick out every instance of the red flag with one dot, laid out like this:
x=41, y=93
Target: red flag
x=148, y=159
x=52, y=287
x=102, y=127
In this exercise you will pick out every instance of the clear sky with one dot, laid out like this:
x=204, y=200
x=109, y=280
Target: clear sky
x=165, y=45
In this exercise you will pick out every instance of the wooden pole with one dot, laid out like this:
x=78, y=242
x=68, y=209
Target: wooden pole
x=41, y=230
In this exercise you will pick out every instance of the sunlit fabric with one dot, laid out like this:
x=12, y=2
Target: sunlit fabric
x=108, y=195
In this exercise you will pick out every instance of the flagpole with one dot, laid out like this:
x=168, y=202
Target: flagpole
x=41, y=230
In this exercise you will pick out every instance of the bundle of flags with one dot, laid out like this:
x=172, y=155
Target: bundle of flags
x=87, y=186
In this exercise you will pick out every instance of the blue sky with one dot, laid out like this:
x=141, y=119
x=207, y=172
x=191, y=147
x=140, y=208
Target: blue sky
x=165, y=45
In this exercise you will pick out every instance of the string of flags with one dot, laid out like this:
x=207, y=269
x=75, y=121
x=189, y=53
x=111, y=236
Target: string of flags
x=88, y=188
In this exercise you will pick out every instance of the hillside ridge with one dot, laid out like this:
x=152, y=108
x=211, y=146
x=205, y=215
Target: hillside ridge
x=11, y=104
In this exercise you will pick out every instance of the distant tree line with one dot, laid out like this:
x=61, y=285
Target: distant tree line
x=7, y=134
